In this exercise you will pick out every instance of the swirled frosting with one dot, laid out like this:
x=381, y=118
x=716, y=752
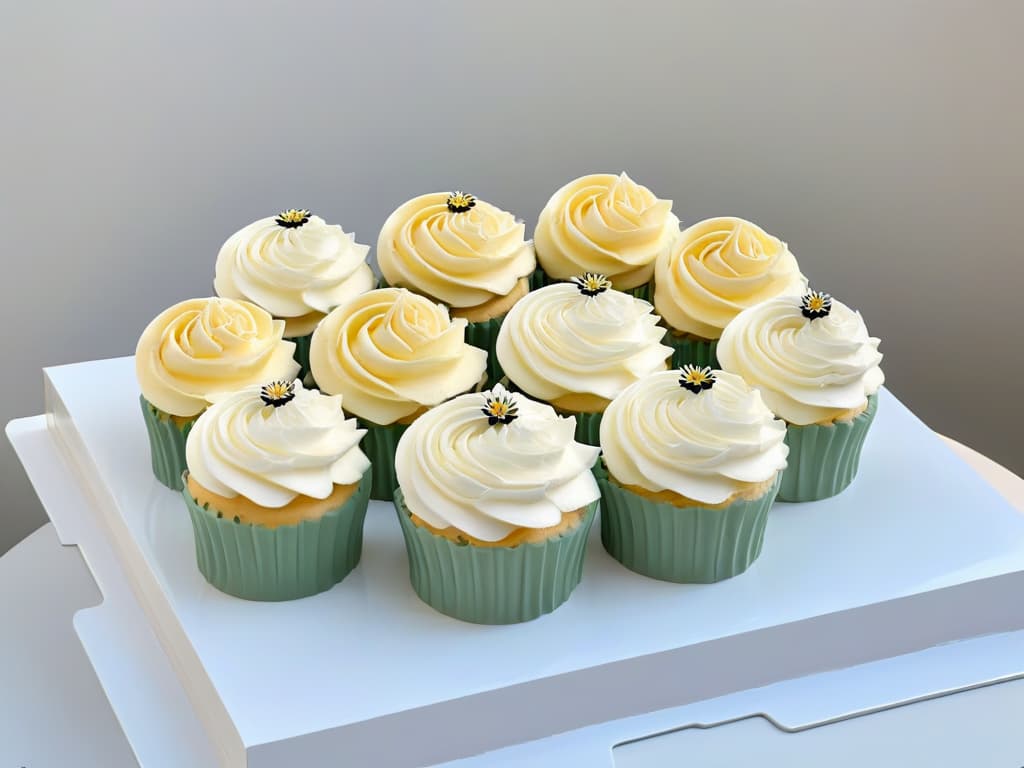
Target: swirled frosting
x=808, y=371
x=462, y=258
x=243, y=446
x=604, y=223
x=391, y=352
x=200, y=348
x=702, y=445
x=715, y=269
x=458, y=470
x=293, y=272
x=557, y=341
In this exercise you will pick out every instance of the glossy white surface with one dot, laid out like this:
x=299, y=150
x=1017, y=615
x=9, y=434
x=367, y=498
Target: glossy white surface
x=348, y=656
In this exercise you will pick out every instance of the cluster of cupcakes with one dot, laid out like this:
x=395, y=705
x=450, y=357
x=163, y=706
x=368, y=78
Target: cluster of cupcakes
x=499, y=391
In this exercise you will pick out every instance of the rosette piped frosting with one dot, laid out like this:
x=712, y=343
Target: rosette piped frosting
x=715, y=269
x=274, y=443
x=490, y=463
x=702, y=434
x=604, y=223
x=201, y=348
x=295, y=265
x=391, y=353
x=455, y=248
x=580, y=338
x=811, y=357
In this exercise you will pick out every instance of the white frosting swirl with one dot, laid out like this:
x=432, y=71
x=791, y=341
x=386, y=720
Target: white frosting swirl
x=200, y=348
x=717, y=268
x=462, y=259
x=607, y=224
x=555, y=341
x=705, y=446
x=293, y=271
x=457, y=470
x=808, y=371
x=391, y=352
x=270, y=455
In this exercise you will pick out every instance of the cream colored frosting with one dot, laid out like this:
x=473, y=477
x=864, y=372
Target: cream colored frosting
x=556, y=341
x=808, y=371
x=604, y=223
x=705, y=446
x=201, y=348
x=293, y=271
x=242, y=446
x=456, y=469
x=462, y=259
x=391, y=352
x=715, y=269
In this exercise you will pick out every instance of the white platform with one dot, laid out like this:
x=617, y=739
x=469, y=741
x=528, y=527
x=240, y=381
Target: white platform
x=367, y=669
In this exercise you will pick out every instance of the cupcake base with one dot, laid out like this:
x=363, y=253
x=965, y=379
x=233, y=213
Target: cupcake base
x=166, y=443
x=690, y=350
x=379, y=444
x=823, y=459
x=302, y=358
x=493, y=585
x=254, y=562
x=686, y=545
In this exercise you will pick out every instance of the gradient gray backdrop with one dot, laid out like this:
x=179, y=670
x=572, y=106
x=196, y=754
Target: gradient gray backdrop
x=881, y=140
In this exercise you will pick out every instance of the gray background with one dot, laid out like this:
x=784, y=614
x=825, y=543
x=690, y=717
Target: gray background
x=881, y=140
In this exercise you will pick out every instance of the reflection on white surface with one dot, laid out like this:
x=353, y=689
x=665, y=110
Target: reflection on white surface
x=369, y=646
x=980, y=727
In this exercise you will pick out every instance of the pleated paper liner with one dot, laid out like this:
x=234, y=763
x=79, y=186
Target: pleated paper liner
x=687, y=545
x=493, y=585
x=482, y=335
x=166, y=444
x=540, y=278
x=588, y=427
x=823, y=460
x=379, y=444
x=691, y=350
x=302, y=358
x=254, y=562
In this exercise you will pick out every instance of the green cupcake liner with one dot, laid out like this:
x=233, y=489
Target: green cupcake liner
x=692, y=351
x=540, y=278
x=823, y=460
x=484, y=335
x=254, y=562
x=686, y=545
x=302, y=358
x=588, y=428
x=493, y=585
x=379, y=444
x=166, y=444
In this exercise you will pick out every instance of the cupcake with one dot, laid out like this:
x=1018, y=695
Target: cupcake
x=277, y=489
x=710, y=273
x=297, y=267
x=606, y=224
x=392, y=354
x=462, y=252
x=495, y=501
x=194, y=351
x=577, y=345
x=817, y=368
x=693, y=461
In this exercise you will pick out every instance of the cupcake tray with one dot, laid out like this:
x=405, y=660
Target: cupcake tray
x=920, y=551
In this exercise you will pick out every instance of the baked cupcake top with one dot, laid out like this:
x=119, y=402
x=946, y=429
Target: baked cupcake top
x=581, y=337
x=604, y=223
x=273, y=443
x=295, y=265
x=391, y=353
x=490, y=463
x=699, y=433
x=454, y=248
x=810, y=356
x=201, y=348
x=715, y=269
